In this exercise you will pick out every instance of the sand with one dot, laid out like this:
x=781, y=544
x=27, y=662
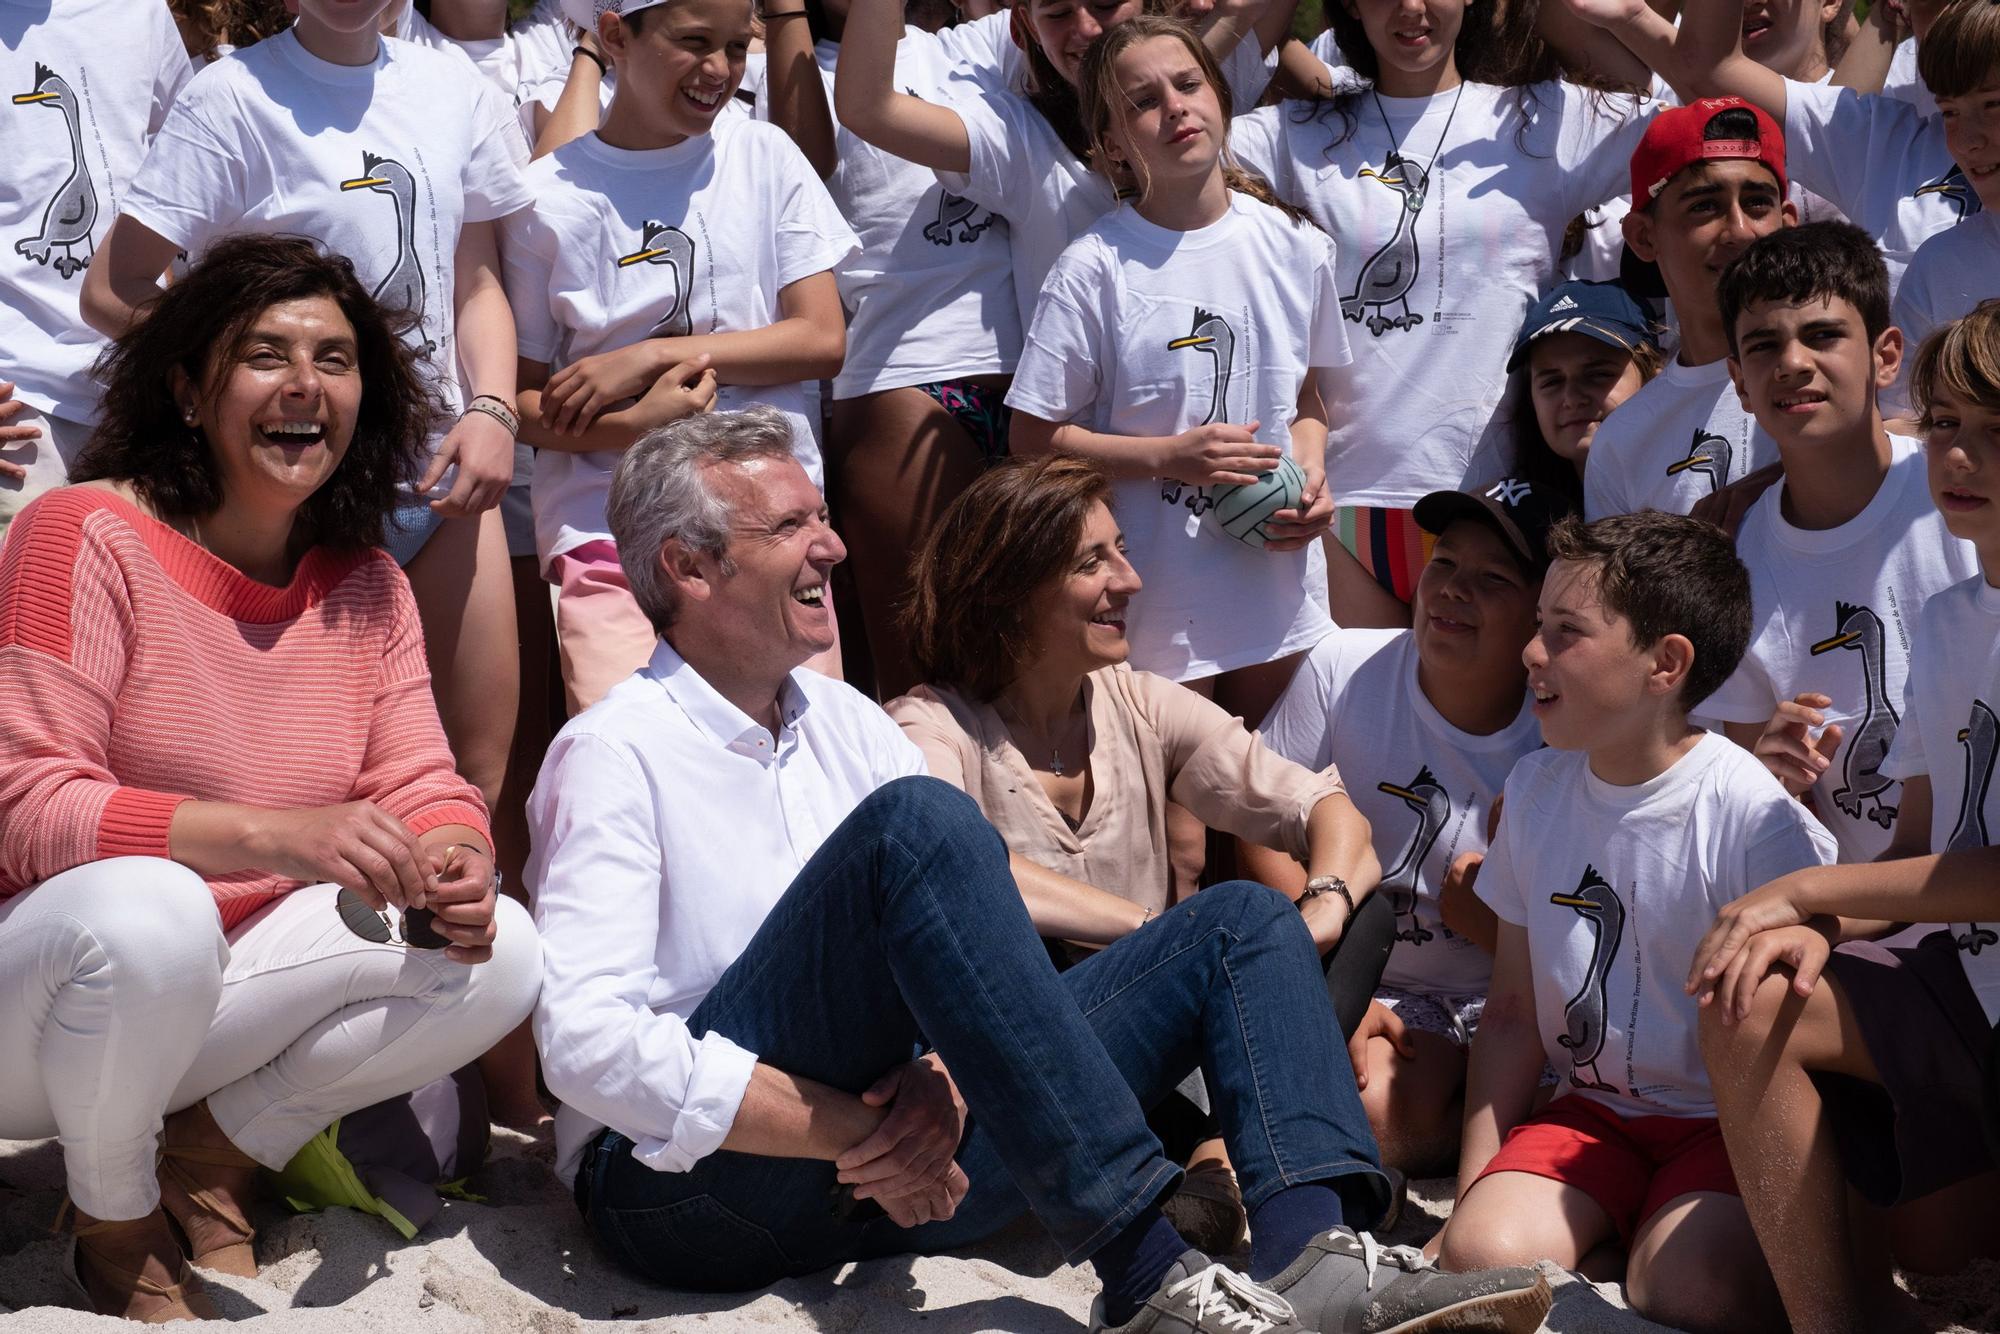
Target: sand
x=522, y=1261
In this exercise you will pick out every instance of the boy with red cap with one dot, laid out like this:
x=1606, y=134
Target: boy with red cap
x=1707, y=180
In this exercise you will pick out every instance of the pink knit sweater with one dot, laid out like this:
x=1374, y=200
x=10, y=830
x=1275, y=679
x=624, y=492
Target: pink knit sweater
x=137, y=671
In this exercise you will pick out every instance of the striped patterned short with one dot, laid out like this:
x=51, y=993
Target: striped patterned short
x=1388, y=544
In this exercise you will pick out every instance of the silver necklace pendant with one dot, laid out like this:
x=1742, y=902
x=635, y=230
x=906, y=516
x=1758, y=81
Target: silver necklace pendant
x=1055, y=762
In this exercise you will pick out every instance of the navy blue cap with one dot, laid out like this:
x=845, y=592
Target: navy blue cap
x=1519, y=511
x=1604, y=311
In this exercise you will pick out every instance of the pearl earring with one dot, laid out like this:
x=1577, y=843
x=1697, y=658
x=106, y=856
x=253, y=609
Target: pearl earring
x=189, y=415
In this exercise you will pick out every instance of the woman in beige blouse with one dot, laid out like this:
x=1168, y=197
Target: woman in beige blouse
x=1017, y=622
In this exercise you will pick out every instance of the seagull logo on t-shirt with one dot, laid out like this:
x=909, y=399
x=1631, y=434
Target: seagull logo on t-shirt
x=673, y=249
x=1863, y=784
x=1387, y=275
x=1427, y=797
x=1980, y=737
x=1954, y=189
x=71, y=214
x=1586, y=1015
x=402, y=287
x=1211, y=336
x=956, y=211
x=1708, y=454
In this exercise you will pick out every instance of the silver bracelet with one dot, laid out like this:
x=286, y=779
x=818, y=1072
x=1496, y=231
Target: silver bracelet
x=498, y=411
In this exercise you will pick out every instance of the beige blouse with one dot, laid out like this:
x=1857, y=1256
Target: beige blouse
x=1151, y=741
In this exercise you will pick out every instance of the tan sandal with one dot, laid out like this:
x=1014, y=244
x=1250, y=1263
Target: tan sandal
x=196, y=1207
x=144, y=1299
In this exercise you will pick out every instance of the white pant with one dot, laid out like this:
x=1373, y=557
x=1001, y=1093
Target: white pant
x=121, y=1000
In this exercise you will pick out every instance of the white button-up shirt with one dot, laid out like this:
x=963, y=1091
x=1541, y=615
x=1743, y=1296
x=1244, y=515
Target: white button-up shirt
x=667, y=824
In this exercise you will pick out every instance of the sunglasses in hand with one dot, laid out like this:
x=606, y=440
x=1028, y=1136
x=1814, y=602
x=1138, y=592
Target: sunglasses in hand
x=411, y=928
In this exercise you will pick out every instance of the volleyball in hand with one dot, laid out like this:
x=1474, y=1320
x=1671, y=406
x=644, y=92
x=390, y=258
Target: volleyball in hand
x=1242, y=512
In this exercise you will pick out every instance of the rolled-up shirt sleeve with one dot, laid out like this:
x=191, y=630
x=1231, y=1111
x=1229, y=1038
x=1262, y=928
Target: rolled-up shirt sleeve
x=1224, y=773
x=598, y=883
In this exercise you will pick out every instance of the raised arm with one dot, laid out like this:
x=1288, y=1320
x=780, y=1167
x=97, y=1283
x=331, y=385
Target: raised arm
x=1864, y=66
x=795, y=87
x=867, y=101
x=1702, y=58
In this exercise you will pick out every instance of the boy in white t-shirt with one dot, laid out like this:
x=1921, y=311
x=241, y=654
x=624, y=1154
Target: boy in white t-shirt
x=1960, y=267
x=673, y=258
x=76, y=116
x=1878, y=160
x=1614, y=844
x=1876, y=1078
x=1707, y=180
x=1847, y=547
x=1425, y=724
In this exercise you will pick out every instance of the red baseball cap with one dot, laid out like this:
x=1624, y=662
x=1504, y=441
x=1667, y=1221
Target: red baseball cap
x=1678, y=138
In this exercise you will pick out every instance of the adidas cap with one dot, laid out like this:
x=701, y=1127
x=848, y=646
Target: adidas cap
x=1604, y=311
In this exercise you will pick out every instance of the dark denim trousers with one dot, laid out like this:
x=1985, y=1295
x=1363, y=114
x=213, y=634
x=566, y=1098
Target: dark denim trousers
x=906, y=931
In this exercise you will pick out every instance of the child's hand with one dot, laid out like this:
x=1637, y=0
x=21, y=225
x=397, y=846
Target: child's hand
x=1771, y=907
x=577, y=393
x=1291, y=529
x=1803, y=949
x=1219, y=454
x=484, y=452
x=687, y=390
x=1377, y=1021
x=10, y=408
x=1788, y=748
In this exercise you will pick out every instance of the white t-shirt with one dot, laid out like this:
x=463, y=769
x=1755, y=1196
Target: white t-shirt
x=79, y=109
x=1615, y=887
x=1258, y=290
x=1425, y=786
x=930, y=295
x=1021, y=170
x=1951, y=731
x=524, y=63
x=1905, y=83
x=1948, y=277
x=275, y=140
x=1681, y=437
x=1833, y=611
x=1880, y=161
x=1437, y=292
x=623, y=245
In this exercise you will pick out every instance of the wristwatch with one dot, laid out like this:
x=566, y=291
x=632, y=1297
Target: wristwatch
x=1327, y=884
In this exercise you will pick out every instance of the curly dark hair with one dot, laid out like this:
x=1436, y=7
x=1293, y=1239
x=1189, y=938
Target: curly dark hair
x=1008, y=534
x=196, y=325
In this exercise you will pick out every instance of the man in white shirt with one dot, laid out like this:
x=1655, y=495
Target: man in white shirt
x=756, y=912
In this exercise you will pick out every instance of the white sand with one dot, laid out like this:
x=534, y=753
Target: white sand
x=522, y=1261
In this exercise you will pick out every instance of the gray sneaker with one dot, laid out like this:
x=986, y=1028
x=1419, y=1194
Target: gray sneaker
x=1348, y=1284
x=1200, y=1297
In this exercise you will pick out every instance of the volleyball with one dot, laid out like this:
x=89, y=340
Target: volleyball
x=1241, y=512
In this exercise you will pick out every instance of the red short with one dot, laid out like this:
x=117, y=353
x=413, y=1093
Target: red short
x=1631, y=1168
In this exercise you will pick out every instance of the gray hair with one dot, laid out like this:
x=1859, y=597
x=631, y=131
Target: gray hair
x=660, y=492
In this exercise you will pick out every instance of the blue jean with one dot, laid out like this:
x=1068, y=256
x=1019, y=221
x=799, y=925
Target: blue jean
x=905, y=931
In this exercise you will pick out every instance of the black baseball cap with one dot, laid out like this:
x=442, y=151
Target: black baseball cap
x=1604, y=311
x=1520, y=511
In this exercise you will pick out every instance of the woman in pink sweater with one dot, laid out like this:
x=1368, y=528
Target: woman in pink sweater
x=215, y=720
